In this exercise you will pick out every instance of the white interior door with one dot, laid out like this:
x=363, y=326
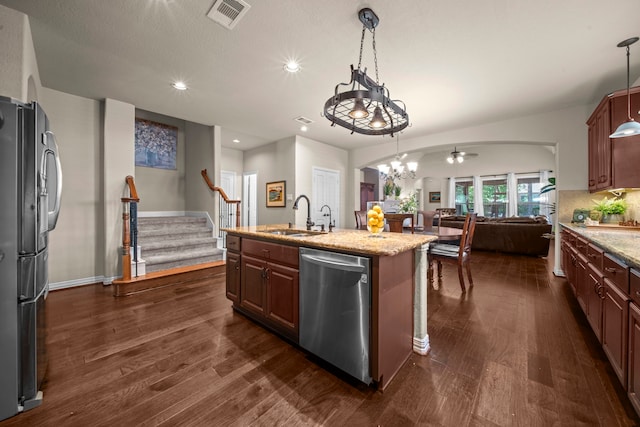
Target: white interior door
x=325, y=190
x=250, y=199
x=228, y=212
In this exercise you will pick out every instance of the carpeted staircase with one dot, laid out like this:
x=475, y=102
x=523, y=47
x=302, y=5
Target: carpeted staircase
x=176, y=241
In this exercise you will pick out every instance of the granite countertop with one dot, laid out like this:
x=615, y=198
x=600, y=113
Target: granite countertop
x=357, y=241
x=623, y=244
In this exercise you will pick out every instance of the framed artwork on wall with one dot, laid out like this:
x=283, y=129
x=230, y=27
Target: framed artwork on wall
x=434, y=197
x=156, y=144
x=275, y=194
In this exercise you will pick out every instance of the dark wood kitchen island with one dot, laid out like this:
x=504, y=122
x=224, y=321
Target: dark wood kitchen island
x=263, y=283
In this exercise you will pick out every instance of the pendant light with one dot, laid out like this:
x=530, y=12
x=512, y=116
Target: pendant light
x=363, y=97
x=630, y=127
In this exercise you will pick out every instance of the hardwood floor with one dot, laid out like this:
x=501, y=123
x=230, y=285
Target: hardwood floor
x=515, y=350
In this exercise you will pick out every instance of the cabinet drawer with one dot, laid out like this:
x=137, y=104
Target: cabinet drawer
x=568, y=237
x=233, y=243
x=634, y=285
x=274, y=252
x=617, y=272
x=582, y=245
x=596, y=256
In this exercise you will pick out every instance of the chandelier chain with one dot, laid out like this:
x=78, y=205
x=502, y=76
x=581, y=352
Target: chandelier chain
x=375, y=55
x=361, y=46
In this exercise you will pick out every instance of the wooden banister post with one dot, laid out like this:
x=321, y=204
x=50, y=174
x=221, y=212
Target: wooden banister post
x=126, y=245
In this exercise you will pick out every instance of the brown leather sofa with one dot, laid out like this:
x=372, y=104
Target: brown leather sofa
x=517, y=235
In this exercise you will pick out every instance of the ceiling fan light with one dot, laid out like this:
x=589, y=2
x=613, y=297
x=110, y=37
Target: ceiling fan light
x=359, y=111
x=450, y=160
x=377, y=121
x=628, y=128
x=460, y=159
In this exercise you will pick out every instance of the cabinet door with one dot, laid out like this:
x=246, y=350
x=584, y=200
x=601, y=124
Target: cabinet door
x=625, y=151
x=615, y=320
x=282, y=296
x=252, y=284
x=604, y=148
x=582, y=292
x=633, y=384
x=594, y=156
x=594, y=293
x=233, y=276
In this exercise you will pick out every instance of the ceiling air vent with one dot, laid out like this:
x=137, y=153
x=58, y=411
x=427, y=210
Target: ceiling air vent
x=303, y=120
x=228, y=12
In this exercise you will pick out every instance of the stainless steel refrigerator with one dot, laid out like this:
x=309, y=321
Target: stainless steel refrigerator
x=30, y=189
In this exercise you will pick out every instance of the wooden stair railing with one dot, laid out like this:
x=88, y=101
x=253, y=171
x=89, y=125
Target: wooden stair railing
x=130, y=205
x=224, y=197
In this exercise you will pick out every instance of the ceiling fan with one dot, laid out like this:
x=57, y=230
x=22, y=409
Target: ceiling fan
x=458, y=156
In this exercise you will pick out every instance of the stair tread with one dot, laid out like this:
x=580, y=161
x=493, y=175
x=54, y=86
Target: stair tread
x=176, y=241
x=151, y=245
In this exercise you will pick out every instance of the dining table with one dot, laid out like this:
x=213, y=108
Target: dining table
x=447, y=233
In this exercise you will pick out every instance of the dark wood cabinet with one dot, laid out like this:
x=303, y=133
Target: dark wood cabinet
x=594, y=290
x=582, y=290
x=613, y=162
x=282, y=296
x=269, y=285
x=609, y=293
x=615, y=320
x=252, y=289
x=600, y=148
x=233, y=276
x=633, y=384
x=233, y=268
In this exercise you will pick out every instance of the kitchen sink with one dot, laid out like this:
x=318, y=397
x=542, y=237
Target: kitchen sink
x=291, y=232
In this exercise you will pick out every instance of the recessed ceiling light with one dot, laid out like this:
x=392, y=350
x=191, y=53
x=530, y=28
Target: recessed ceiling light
x=292, y=66
x=236, y=141
x=304, y=128
x=180, y=85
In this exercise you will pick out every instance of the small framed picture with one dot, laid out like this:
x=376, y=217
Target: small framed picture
x=275, y=194
x=434, y=197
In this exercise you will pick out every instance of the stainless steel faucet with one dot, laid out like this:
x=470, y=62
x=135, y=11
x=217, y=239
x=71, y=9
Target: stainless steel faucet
x=331, y=224
x=295, y=207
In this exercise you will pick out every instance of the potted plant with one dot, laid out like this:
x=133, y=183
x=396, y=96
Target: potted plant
x=409, y=204
x=397, y=190
x=611, y=210
x=387, y=188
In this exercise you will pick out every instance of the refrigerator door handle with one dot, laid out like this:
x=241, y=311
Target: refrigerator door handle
x=52, y=149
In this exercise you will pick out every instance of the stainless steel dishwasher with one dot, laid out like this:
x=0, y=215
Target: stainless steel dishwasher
x=335, y=309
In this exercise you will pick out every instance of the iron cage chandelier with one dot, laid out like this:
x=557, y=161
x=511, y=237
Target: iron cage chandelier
x=352, y=109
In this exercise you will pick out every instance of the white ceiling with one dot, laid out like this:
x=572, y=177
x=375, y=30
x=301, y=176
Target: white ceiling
x=451, y=62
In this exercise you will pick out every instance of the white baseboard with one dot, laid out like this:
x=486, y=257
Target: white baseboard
x=79, y=282
x=559, y=273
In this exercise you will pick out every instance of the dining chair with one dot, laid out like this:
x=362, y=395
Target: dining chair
x=361, y=219
x=458, y=254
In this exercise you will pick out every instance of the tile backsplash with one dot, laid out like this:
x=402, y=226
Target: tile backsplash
x=568, y=200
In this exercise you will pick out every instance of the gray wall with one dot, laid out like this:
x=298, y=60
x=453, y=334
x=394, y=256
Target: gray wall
x=199, y=155
x=162, y=189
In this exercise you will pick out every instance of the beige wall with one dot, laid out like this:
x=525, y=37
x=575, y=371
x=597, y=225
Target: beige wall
x=75, y=246
x=118, y=161
x=199, y=155
x=310, y=154
x=13, y=28
x=273, y=162
x=162, y=189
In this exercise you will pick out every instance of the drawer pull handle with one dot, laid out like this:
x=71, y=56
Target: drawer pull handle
x=610, y=270
x=638, y=293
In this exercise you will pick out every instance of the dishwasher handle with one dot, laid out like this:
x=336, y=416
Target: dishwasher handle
x=331, y=263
